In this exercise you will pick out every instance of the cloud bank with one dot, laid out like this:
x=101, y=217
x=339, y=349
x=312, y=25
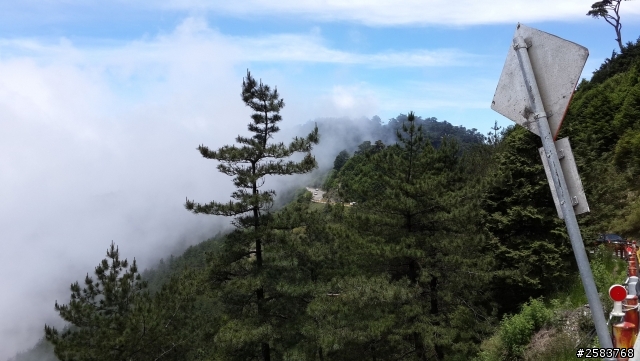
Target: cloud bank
x=99, y=145
x=407, y=12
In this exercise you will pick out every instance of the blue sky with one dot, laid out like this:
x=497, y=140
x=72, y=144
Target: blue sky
x=102, y=104
x=368, y=58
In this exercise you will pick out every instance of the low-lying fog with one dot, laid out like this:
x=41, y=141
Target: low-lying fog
x=81, y=165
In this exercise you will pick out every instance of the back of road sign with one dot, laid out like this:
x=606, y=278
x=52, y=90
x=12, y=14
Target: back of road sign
x=557, y=65
x=571, y=176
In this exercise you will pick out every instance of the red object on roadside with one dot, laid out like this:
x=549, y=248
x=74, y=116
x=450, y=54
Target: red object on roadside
x=618, y=293
x=631, y=314
x=633, y=264
x=623, y=336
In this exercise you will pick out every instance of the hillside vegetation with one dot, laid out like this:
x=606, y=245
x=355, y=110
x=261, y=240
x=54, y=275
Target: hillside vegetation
x=452, y=243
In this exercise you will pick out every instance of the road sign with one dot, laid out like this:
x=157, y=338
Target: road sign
x=570, y=171
x=557, y=65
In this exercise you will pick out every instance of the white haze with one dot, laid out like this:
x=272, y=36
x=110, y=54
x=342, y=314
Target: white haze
x=407, y=12
x=99, y=145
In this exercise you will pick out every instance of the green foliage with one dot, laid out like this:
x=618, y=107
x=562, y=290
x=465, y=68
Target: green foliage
x=529, y=243
x=618, y=63
x=608, y=191
x=603, y=123
x=560, y=347
x=256, y=158
x=413, y=224
x=495, y=136
x=193, y=258
x=257, y=312
x=513, y=339
x=352, y=133
x=607, y=270
x=516, y=330
x=42, y=351
x=627, y=151
x=340, y=160
x=330, y=180
x=433, y=130
x=571, y=297
x=115, y=317
x=364, y=148
x=629, y=223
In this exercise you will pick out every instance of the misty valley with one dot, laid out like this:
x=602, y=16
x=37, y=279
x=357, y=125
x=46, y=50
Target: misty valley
x=410, y=239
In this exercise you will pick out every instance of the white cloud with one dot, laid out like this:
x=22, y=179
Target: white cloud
x=344, y=100
x=407, y=12
x=193, y=36
x=310, y=48
x=83, y=165
x=423, y=97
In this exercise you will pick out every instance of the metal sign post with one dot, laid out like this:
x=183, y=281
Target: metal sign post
x=526, y=106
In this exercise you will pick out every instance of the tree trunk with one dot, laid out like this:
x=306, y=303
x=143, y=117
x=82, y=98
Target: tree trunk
x=266, y=352
x=264, y=346
x=618, y=25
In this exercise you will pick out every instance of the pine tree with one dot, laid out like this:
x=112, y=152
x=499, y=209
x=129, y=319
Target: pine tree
x=338, y=305
x=528, y=239
x=113, y=317
x=409, y=200
x=420, y=217
x=602, y=8
x=248, y=297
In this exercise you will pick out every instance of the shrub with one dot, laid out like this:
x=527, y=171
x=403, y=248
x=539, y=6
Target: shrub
x=516, y=331
x=607, y=271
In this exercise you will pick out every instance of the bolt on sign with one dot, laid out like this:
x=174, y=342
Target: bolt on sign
x=557, y=65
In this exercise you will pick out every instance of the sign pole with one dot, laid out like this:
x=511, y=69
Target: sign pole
x=535, y=102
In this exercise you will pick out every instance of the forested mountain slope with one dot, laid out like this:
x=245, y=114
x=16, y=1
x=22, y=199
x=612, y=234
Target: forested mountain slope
x=603, y=124
x=451, y=231
x=349, y=133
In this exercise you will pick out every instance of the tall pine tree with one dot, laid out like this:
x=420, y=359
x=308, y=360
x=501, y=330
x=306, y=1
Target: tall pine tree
x=240, y=269
x=420, y=213
x=528, y=240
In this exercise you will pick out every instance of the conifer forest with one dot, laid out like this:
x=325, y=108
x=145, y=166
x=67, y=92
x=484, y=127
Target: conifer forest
x=425, y=238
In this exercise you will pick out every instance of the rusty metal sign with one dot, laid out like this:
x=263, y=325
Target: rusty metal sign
x=557, y=65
